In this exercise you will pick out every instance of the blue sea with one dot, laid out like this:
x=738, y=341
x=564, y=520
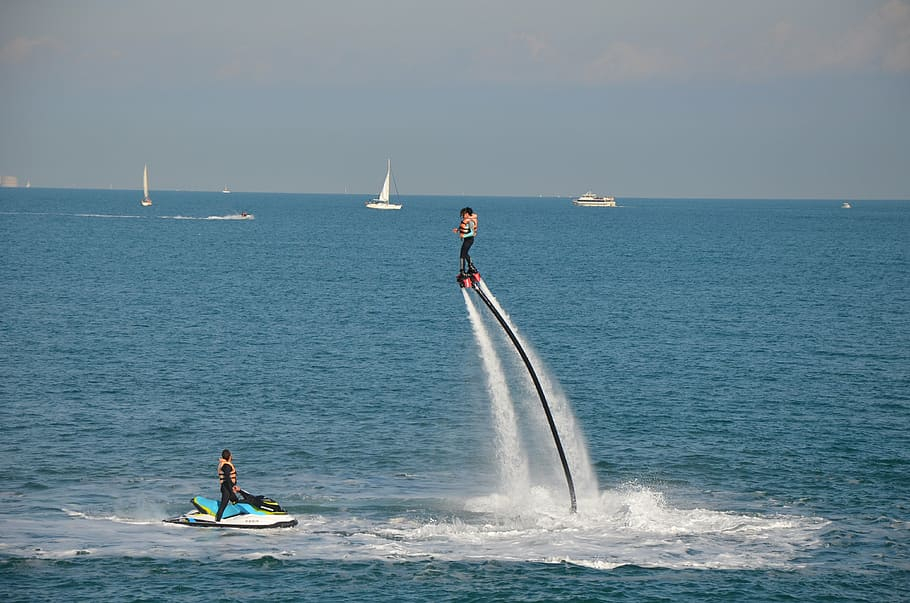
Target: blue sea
x=730, y=380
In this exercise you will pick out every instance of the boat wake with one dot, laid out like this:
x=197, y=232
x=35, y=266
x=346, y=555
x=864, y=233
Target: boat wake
x=106, y=216
x=114, y=517
x=629, y=526
x=233, y=216
x=240, y=216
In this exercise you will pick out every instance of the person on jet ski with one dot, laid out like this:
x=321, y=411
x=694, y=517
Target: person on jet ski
x=467, y=230
x=227, y=476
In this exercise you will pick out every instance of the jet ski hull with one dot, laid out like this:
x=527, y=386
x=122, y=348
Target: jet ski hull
x=251, y=513
x=204, y=520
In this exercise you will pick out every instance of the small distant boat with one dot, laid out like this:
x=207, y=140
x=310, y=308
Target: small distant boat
x=382, y=202
x=589, y=199
x=846, y=205
x=246, y=216
x=226, y=190
x=146, y=200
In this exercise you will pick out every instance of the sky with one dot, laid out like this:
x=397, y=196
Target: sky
x=634, y=98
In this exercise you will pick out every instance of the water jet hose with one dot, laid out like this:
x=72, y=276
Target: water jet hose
x=540, y=393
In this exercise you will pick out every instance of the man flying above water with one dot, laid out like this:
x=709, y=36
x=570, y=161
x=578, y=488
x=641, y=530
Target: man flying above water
x=467, y=230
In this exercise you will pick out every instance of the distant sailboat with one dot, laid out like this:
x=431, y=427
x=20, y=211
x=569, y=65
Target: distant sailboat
x=226, y=190
x=382, y=202
x=146, y=201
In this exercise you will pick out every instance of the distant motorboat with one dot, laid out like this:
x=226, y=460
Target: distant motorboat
x=589, y=199
x=846, y=205
x=226, y=190
x=146, y=200
x=382, y=201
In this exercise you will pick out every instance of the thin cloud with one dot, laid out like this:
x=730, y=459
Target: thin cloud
x=878, y=43
x=885, y=36
x=787, y=44
x=625, y=61
x=247, y=69
x=536, y=47
x=21, y=49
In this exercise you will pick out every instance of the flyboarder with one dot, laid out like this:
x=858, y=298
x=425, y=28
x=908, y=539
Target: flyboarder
x=467, y=230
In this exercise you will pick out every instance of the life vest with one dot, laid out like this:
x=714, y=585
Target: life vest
x=221, y=464
x=468, y=227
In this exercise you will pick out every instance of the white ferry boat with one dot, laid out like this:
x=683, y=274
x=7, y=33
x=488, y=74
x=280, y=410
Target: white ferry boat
x=589, y=199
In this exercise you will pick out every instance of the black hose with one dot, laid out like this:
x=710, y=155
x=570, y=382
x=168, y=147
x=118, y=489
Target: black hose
x=540, y=393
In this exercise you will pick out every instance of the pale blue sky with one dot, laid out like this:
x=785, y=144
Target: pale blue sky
x=750, y=98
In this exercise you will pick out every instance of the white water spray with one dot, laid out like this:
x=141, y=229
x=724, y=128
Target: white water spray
x=513, y=464
x=507, y=427
x=570, y=433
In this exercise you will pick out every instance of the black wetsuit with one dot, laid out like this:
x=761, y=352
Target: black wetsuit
x=227, y=488
x=465, y=256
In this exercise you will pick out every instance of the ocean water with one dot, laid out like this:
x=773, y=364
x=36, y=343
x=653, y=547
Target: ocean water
x=730, y=379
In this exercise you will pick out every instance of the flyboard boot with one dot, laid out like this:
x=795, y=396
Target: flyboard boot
x=468, y=277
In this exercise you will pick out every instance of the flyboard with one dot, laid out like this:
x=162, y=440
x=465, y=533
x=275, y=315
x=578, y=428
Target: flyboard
x=471, y=280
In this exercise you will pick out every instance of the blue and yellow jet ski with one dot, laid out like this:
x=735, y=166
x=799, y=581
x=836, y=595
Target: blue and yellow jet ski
x=251, y=512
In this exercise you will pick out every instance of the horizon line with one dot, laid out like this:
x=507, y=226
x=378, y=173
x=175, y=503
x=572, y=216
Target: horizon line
x=474, y=195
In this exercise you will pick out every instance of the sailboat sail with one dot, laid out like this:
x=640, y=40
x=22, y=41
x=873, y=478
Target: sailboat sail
x=146, y=201
x=384, y=194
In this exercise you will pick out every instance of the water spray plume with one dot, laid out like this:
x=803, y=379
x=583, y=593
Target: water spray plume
x=482, y=292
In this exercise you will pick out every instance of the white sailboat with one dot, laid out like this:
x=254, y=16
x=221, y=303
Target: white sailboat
x=382, y=202
x=146, y=201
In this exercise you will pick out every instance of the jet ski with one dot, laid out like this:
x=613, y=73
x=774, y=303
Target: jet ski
x=251, y=512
